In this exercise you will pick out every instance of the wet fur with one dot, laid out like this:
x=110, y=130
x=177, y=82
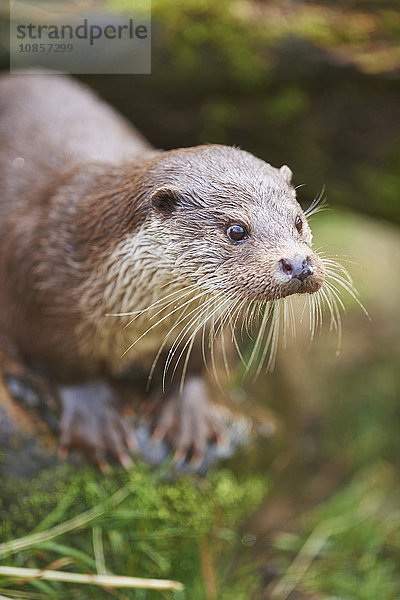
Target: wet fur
x=81, y=237
x=95, y=223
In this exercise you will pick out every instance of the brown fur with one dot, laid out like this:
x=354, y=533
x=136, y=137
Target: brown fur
x=94, y=221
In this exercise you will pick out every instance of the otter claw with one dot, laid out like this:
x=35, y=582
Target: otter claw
x=62, y=453
x=92, y=422
x=187, y=423
x=126, y=461
x=132, y=444
x=179, y=455
x=158, y=434
x=196, y=461
x=221, y=438
x=103, y=466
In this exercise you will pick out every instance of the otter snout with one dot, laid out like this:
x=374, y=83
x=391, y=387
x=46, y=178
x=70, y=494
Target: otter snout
x=297, y=267
x=299, y=274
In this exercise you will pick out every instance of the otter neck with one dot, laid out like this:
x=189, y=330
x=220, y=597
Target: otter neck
x=125, y=264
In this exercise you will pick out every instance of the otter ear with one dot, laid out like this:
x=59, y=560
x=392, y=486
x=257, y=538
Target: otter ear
x=165, y=199
x=286, y=174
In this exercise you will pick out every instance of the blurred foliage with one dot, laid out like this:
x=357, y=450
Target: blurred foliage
x=352, y=550
x=311, y=84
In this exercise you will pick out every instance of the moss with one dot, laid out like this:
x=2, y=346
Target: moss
x=157, y=531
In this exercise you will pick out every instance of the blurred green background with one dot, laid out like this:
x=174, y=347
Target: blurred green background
x=314, y=511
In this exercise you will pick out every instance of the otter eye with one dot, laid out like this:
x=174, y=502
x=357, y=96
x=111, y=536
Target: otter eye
x=236, y=233
x=299, y=224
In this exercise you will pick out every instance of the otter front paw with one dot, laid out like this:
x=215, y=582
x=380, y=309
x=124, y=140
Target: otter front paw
x=92, y=423
x=187, y=422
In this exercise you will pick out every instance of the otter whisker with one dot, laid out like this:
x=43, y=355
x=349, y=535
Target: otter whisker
x=254, y=307
x=193, y=336
x=319, y=309
x=232, y=313
x=340, y=276
x=335, y=322
x=271, y=343
x=347, y=285
x=274, y=341
x=269, y=318
x=338, y=319
x=318, y=204
x=212, y=353
x=245, y=321
x=238, y=312
x=275, y=337
x=285, y=323
x=320, y=304
x=161, y=320
x=310, y=304
x=336, y=292
x=288, y=320
x=292, y=317
x=189, y=344
x=204, y=310
x=318, y=250
x=222, y=320
x=174, y=347
x=224, y=356
x=339, y=271
x=210, y=331
x=203, y=347
x=337, y=259
x=203, y=307
x=339, y=331
x=164, y=305
x=154, y=363
x=267, y=341
x=143, y=310
x=185, y=364
x=213, y=333
x=211, y=346
x=233, y=323
x=316, y=312
x=216, y=312
x=266, y=315
x=305, y=305
x=178, y=299
x=312, y=301
x=228, y=319
x=256, y=313
x=162, y=346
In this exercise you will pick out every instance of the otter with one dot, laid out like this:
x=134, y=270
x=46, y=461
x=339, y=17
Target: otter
x=112, y=252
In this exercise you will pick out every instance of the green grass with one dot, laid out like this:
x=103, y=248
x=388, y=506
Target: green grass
x=350, y=545
x=134, y=524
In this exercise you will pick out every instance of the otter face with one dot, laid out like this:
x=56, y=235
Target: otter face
x=234, y=225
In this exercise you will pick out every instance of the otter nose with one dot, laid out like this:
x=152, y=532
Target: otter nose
x=297, y=267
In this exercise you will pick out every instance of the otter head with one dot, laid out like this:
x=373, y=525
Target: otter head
x=230, y=223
